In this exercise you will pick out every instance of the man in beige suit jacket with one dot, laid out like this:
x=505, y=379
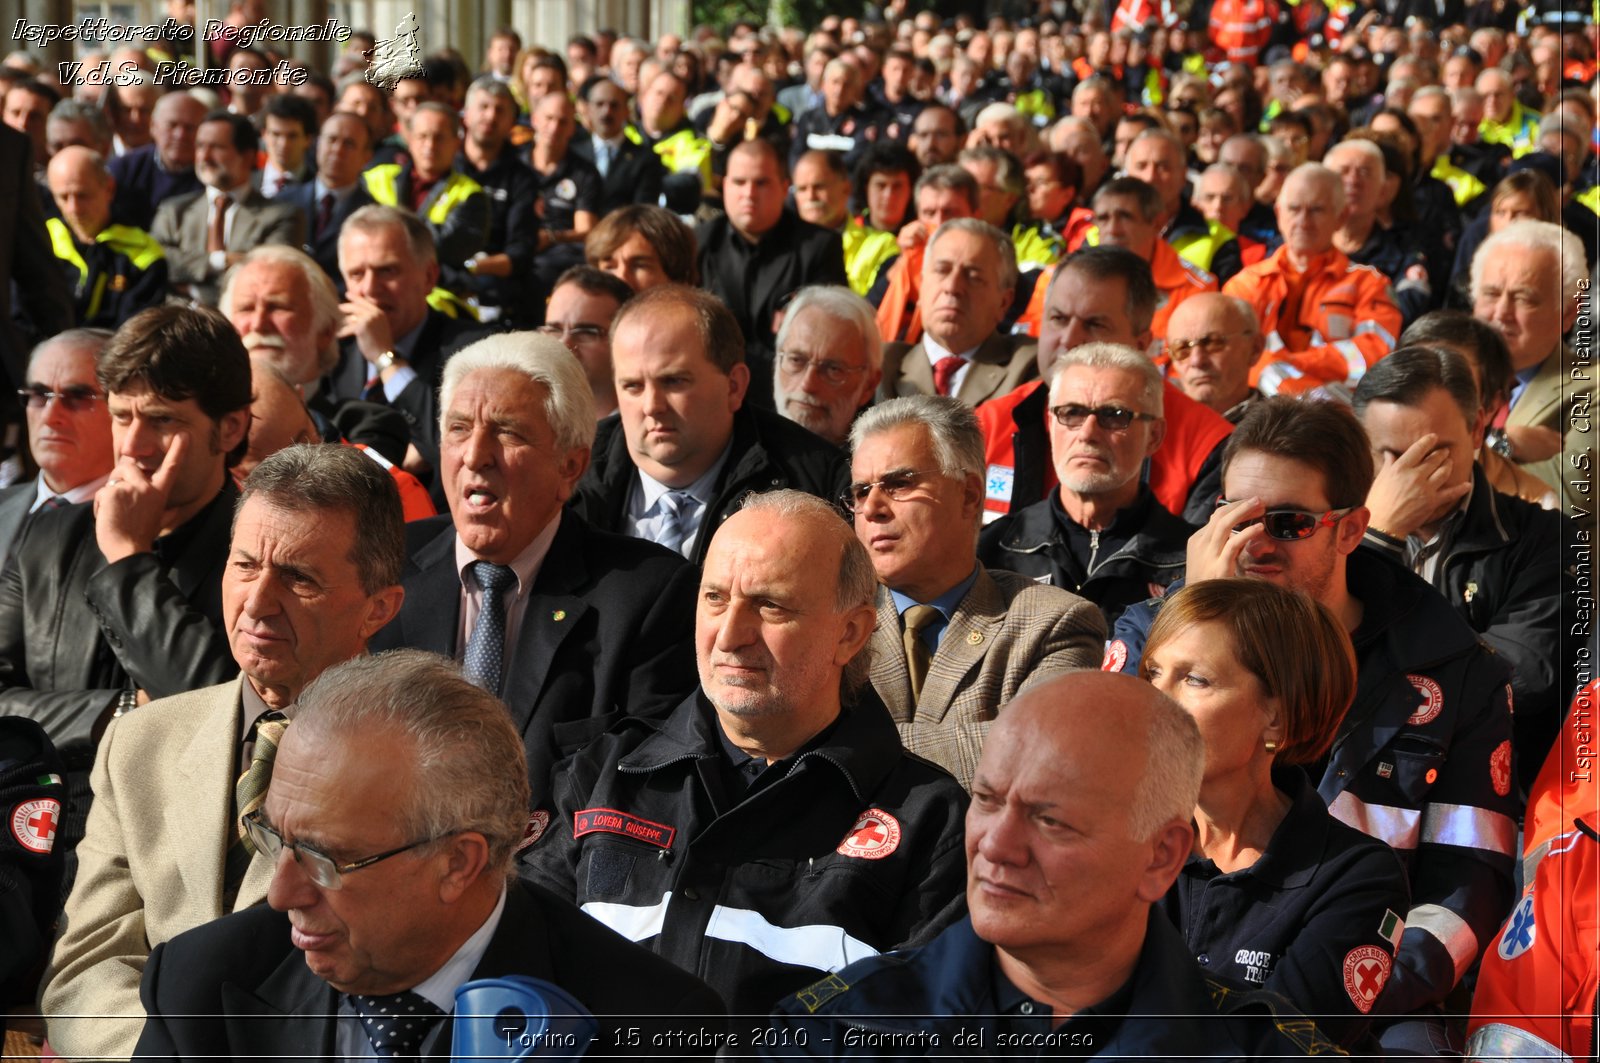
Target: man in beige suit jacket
x=969, y=277
x=184, y=226
x=1525, y=282
x=955, y=641
x=313, y=572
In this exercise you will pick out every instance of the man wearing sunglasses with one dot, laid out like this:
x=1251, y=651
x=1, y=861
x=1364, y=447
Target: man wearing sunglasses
x=1213, y=342
x=1102, y=533
x=313, y=571
x=69, y=431
x=1423, y=759
x=396, y=807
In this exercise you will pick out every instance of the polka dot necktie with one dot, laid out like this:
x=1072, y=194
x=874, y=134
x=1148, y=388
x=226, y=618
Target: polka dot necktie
x=485, y=660
x=396, y=1024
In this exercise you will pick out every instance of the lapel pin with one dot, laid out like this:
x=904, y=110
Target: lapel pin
x=558, y=615
x=974, y=638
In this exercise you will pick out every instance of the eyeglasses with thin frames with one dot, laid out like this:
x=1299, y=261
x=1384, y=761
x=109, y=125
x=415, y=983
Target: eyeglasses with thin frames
x=1212, y=342
x=835, y=373
x=319, y=866
x=896, y=485
x=75, y=397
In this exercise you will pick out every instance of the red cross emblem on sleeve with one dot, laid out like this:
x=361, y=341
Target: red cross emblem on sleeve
x=1366, y=969
x=34, y=823
x=875, y=835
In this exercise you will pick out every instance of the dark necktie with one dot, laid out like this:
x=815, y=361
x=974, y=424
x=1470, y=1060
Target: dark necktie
x=485, y=660
x=324, y=213
x=918, y=619
x=53, y=502
x=396, y=1024
x=944, y=372
x=216, y=239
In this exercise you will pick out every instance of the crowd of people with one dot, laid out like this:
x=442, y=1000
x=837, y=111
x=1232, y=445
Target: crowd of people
x=1063, y=533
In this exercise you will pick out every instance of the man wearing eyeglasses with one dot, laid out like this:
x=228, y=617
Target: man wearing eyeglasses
x=69, y=431
x=955, y=640
x=313, y=571
x=1423, y=759
x=1213, y=342
x=830, y=360
x=581, y=308
x=396, y=807
x=1102, y=534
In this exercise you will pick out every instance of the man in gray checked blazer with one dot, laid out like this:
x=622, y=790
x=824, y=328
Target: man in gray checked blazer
x=955, y=641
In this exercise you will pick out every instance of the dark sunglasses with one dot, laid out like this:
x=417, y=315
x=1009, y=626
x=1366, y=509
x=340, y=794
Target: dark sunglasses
x=1111, y=418
x=76, y=398
x=1291, y=524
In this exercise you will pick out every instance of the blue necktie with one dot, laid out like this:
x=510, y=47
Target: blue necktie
x=602, y=156
x=672, y=531
x=396, y=1024
x=485, y=659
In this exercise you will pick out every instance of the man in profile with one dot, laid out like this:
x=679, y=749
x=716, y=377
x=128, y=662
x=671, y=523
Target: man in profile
x=401, y=760
x=1080, y=822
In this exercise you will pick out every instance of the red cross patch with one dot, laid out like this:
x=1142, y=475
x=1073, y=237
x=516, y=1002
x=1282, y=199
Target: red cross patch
x=1366, y=969
x=1500, y=768
x=537, y=822
x=1432, y=700
x=1116, y=656
x=875, y=835
x=34, y=824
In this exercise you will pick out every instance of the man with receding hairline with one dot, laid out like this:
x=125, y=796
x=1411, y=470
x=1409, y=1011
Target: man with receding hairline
x=1080, y=822
x=115, y=270
x=772, y=828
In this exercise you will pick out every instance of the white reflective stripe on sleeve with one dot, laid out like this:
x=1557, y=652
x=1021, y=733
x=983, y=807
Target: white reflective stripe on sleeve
x=1473, y=828
x=824, y=947
x=1376, y=329
x=1275, y=375
x=1398, y=827
x=1449, y=929
x=1353, y=358
x=1274, y=341
x=1497, y=1041
x=636, y=922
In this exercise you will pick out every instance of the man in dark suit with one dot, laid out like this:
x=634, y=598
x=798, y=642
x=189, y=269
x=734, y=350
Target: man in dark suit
x=106, y=607
x=632, y=172
x=344, y=149
x=687, y=446
x=394, y=344
x=204, y=233
x=69, y=431
x=375, y=761
x=571, y=626
x=149, y=176
x=760, y=252
x=969, y=277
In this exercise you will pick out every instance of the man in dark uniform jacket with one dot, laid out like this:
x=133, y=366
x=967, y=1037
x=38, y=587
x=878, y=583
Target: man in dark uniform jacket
x=107, y=606
x=685, y=446
x=499, y=278
x=398, y=754
x=596, y=626
x=759, y=253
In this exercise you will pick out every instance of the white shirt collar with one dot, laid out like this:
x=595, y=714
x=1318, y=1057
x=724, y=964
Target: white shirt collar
x=81, y=493
x=440, y=987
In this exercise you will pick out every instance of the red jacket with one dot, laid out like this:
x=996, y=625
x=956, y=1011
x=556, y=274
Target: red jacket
x=1327, y=325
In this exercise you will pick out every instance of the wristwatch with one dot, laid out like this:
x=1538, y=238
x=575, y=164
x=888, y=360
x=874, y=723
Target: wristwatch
x=127, y=701
x=1501, y=444
x=385, y=360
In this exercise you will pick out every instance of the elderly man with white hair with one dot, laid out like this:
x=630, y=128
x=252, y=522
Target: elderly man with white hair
x=572, y=627
x=829, y=360
x=1526, y=282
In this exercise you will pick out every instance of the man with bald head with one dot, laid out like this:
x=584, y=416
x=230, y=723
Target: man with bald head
x=1325, y=320
x=1079, y=139
x=115, y=271
x=1080, y=822
x=149, y=176
x=1213, y=342
x=794, y=835
x=1392, y=251
x=1222, y=196
x=1247, y=153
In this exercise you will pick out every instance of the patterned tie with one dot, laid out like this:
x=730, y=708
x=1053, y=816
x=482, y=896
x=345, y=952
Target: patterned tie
x=324, y=213
x=396, y=1024
x=251, y=789
x=944, y=372
x=672, y=530
x=485, y=660
x=216, y=239
x=918, y=619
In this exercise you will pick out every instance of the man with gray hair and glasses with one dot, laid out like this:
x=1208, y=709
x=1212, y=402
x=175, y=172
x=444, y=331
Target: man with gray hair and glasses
x=954, y=640
x=1102, y=533
x=969, y=277
x=829, y=362
x=389, y=830
x=572, y=627
x=313, y=571
x=772, y=828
